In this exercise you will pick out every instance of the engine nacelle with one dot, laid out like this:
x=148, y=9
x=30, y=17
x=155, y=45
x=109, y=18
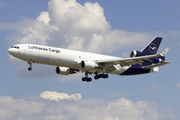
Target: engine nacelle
x=89, y=65
x=64, y=70
x=156, y=60
x=136, y=53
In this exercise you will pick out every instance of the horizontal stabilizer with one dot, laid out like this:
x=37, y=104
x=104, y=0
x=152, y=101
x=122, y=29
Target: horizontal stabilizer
x=156, y=65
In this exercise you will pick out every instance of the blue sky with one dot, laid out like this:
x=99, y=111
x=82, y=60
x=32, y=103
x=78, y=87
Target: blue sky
x=122, y=26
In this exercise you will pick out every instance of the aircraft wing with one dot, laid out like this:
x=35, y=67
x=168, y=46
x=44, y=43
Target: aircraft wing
x=126, y=61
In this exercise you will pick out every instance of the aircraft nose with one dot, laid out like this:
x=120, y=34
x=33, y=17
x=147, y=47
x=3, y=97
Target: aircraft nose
x=10, y=51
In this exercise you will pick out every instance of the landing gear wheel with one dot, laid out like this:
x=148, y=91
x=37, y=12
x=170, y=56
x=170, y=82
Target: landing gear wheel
x=84, y=79
x=96, y=77
x=100, y=75
x=30, y=68
x=105, y=76
x=87, y=79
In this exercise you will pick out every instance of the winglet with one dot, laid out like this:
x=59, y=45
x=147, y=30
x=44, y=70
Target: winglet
x=165, y=52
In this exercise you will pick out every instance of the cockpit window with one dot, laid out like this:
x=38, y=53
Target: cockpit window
x=17, y=47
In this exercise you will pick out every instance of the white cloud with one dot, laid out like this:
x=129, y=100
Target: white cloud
x=43, y=17
x=53, y=95
x=35, y=108
x=155, y=86
x=69, y=24
x=74, y=26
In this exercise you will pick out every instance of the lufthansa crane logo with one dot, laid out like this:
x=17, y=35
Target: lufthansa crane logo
x=153, y=48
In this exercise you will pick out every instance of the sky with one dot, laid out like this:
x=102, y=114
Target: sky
x=107, y=27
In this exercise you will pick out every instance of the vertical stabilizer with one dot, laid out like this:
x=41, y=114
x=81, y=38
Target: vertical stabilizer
x=152, y=47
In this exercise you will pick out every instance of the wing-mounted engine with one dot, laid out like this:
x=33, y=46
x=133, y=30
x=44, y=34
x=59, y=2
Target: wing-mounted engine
x=157, y=60
x=64, y=70
x=89, y=65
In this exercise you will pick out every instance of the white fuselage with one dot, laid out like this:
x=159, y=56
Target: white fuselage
x=59, y=57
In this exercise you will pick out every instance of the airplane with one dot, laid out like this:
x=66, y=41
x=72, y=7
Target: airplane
x=71, y=61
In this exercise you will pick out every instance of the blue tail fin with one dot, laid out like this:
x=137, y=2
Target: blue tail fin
x=152, y=47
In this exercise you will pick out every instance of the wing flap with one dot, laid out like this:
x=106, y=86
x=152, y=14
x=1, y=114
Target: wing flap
x=126, y=61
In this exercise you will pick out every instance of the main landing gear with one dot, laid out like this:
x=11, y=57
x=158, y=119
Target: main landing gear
x=30, y=66
x=101, y=76
x=96, y=77
x=87, y=79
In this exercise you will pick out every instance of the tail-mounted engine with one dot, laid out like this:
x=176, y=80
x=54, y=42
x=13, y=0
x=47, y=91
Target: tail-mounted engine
x=64, y=70
x=89, y=65
x=136, y=53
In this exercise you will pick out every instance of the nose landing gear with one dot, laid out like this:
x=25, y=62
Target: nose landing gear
x=30, y=64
